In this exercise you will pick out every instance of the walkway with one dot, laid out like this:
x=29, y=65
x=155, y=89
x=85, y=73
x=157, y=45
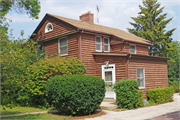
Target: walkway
x=142, y=113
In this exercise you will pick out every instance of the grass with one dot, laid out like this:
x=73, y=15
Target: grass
x=19, y=109
x=39, y=116
x=54, y=116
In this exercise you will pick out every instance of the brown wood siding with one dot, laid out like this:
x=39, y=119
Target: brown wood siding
x=141, y=50
x=117, y=48
x=87, y=47
x=119, y=65
x=155, y=72
x=51, y=47
x=58, y=28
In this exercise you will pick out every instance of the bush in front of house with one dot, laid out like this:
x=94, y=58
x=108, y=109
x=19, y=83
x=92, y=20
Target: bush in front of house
x=140, y=100
x=175, y=84
x=75, y=94
x=127, y=93
x=33, y=92
x=161, y=95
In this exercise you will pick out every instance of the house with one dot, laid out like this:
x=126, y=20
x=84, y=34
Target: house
x=108, y=53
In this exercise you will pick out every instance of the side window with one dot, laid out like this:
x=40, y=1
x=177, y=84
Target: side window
x=132, y=49
x=98, y=44
x=106, y=45
x=141, y=77
x=63, y=46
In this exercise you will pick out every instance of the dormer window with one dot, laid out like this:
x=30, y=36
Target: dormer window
x=48, y=28
x=132, y=49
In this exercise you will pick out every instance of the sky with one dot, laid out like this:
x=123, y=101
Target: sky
x=112, y=13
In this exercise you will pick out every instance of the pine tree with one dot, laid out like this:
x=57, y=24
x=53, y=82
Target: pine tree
x=150, y=25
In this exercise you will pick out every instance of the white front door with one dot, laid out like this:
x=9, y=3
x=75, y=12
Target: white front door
x=108, y=75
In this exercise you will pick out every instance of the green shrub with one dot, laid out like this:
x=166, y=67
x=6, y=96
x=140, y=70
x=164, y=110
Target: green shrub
x=140, y=100
x=176, y=88
x=33, y=92
x=161, y=95
x=75, y=94
x=127, y=93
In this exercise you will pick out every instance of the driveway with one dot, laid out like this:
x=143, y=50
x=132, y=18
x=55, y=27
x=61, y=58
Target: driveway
x=143, y=113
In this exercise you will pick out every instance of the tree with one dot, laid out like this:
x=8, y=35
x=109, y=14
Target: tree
x=173, y=64
x=30, y=7
x=150, y=25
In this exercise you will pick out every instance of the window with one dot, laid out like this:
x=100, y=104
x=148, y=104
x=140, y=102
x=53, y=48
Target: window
x=48, y=28
x=98, y=44
x=106, y=45
x=132, y=49
x=140, y=77
x=63, y=48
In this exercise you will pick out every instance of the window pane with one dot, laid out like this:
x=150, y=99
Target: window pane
x=98, y=40
x=109, y=87
x=63, y=50
x=141, y=82
x=98, y=47
x=63, y=42
x=106, y=41
x=106, y=47
x=108, y=76
x=140, y=73
x=132, y=49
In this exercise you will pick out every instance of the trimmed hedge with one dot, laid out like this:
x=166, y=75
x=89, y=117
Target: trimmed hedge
x=161, y=95
x=127, y=93
x=140, y=100
x=75, y=94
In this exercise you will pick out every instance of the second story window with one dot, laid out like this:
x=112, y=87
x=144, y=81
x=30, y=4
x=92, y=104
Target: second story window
x=106, y=45
x=132, y=49
x=63, y=46
x=98, y=44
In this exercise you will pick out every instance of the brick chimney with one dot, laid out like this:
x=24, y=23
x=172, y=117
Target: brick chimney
x=87, y=17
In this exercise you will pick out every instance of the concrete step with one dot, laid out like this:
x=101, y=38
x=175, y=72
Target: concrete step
x=109, y=100
x=108, y=105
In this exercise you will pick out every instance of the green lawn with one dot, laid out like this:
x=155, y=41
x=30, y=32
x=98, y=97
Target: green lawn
x=39, y=116
x=18, y=109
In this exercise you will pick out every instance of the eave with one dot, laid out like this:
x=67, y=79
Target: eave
x=147, y=56
x=110, y=53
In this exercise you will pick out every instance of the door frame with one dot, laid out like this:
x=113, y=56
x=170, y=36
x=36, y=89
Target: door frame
x=113, y=77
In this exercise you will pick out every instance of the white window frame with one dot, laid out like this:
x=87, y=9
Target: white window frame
x=144, y=77
x=107, y=44
x=46, y=29
x=59, y=50
x=100, y=44
x=130, y=49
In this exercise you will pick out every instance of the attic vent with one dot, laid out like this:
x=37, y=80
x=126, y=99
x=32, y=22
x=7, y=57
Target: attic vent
x=48, y=28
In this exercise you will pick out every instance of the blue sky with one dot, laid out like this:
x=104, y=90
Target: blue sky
x=112, y=13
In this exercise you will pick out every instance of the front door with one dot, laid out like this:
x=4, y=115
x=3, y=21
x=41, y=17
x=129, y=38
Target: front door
x=108, y=75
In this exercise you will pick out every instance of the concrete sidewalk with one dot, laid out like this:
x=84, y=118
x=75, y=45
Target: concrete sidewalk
x=142, y=113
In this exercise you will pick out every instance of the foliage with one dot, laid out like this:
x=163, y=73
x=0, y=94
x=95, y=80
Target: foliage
x=16, y=56
x=75, y=94
x=151, y=25
x=173, y=63
x=140, y=100
x=30, y=7
x=33, y=93
x=176, y=88
x=127, y=93
x=161, y=95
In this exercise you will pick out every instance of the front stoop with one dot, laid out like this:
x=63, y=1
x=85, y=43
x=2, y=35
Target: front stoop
x=108, y=105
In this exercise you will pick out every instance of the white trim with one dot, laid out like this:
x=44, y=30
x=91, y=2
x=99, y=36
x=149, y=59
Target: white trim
x=100, y=44
x=113, y=77
x=47, y=26
x=107, y=44
x=144, y=77
x=63, y=46
x=130, y=50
